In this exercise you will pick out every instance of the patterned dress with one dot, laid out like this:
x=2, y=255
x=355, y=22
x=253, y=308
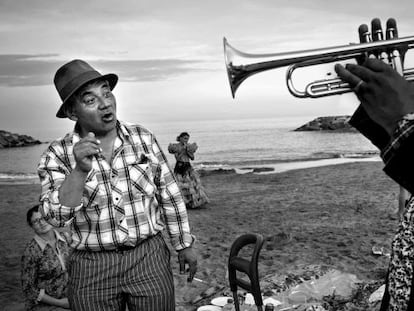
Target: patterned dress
x=44, y=271
x=401, y=265
x=187, y=178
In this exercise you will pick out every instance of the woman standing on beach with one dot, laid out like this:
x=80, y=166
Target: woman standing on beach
x=43, y=275
x=187, y=177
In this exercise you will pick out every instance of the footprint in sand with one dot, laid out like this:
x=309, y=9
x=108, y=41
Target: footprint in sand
x=277, y=240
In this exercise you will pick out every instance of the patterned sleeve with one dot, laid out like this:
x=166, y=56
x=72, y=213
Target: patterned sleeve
x=403, y=131
x=172, y=202
x=173, y=148
x=29, y=274
x=398, y=155
x=191, y=149
x=53, y=168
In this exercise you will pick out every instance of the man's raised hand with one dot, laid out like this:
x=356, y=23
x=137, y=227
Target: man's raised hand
x=84, y=150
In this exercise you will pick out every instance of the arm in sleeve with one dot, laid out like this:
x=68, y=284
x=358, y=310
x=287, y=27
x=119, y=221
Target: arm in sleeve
x=398, y=156
x=29, y=276
x=397, y=151
x=191, y=149
x=172, y=148
x=171, y=202
x=53, y=170
x=371, y=130
x=190, y=155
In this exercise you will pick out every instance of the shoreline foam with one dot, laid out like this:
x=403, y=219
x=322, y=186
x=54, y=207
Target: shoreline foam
x=289, y=166
x=264, y=168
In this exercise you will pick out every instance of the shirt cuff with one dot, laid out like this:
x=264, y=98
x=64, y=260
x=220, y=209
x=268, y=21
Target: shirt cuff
x=188, y=241
x=404, y=129
x=41, y=295
x=57, y=214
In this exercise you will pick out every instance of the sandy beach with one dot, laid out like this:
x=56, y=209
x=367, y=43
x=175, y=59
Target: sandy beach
x=333, y=215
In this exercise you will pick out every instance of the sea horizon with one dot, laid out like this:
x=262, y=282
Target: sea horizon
x=228, y=144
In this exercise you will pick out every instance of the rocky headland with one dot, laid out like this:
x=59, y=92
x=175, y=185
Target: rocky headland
x=8, y=140
x=331, y=123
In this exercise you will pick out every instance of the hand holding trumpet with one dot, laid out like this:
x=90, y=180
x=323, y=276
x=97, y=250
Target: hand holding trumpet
x=378, y=83
x=384, y=94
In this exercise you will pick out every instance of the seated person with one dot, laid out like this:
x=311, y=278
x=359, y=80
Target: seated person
x=43, y=275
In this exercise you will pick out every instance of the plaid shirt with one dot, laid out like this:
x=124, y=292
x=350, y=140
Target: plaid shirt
x=124, y=202
x=404, y=130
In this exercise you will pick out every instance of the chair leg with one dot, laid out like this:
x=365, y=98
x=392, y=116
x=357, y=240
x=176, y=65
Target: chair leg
x=236, y=301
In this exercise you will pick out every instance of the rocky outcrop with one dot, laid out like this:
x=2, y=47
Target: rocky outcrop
x=8, y=140
x=333, y=123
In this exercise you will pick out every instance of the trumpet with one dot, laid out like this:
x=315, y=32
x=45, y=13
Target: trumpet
x=241, y=65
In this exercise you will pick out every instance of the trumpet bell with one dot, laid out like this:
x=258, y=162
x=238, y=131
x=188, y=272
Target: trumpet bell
x=236, y=74
x=228, y=60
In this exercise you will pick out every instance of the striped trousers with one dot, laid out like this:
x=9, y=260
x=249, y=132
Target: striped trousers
x=140, y=278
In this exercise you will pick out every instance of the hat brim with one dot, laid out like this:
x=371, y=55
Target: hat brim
x=110, y=77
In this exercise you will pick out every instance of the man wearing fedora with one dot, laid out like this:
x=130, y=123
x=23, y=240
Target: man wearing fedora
x=110, y=182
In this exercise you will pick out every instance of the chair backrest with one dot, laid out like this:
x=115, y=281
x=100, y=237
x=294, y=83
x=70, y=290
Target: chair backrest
x=249, y=267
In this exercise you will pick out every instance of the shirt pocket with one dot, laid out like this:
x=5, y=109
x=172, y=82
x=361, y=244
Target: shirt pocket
x=142, y=179
x=93, y=195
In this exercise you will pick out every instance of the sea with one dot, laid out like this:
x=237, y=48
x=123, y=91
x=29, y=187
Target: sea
x=244, y=145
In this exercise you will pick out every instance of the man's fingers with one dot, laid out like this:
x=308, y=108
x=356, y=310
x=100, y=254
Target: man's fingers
x=88, y=147
x=377, y=65
x=88, y=152
x=181, y=262
x=192, y=271
x=188, y=256
x=85, y=150
x=94, y=150
x=360, y=72
x=90, y=138
x=347, y=75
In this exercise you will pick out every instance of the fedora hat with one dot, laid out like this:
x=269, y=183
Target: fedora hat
x=72, y=76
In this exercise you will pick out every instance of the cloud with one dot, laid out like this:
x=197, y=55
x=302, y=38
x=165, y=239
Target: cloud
x=152, y=69
x=37, y=70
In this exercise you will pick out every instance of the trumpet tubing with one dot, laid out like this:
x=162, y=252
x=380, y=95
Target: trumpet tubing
x=250, y=64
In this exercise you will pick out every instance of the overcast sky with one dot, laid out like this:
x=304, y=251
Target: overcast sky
x=169, y=55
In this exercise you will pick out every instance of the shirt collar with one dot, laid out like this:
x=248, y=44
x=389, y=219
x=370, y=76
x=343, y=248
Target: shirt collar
x=43, y=243
x=121, y=130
